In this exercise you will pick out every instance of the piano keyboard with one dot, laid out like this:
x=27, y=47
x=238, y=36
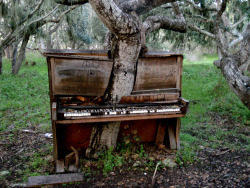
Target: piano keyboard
x=76, y=113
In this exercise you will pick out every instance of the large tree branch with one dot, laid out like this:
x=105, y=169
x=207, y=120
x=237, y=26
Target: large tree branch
x=154, y=23
x=114, y=18
x=235, y=42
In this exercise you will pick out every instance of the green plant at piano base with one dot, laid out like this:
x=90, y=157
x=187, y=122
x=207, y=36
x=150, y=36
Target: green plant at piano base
x=186, y=155
x=110, y=160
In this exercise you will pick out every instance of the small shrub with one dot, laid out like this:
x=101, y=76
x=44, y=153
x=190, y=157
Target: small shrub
x=185, y=155
x=110, y=160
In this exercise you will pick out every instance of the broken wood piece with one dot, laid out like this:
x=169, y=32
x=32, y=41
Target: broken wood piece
x=76, y=155
x=154, y=177
x=83, y=99
x=37, y=181
x=60, y=166
x=69, y=158
x=161, y=146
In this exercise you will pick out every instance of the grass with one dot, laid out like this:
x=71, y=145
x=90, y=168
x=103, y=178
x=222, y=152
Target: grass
x=216, y=115
x=24, y=99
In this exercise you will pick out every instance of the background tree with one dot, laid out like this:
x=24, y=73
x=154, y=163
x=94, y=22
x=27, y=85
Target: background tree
x=22, y=19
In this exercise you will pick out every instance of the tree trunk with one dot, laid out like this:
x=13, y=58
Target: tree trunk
x=1, y=60
x=239, y=83
x=14, y=56
x=104, y=135
x=9, y=51
x=42, y=43
x=49, y=42
x=17, y=63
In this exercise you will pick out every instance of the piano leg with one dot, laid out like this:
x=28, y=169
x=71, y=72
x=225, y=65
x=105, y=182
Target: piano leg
x=177, y=133
x=172, y=136
x=169, y=128
x=55, y=152
x=161, y=131
x=174, y=133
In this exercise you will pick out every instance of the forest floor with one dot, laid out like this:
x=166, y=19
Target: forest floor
x=214, y=136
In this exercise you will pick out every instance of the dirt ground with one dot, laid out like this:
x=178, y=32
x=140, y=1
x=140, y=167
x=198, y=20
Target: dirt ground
x=214, y=168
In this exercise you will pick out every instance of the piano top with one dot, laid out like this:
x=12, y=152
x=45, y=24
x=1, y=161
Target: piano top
x=98, y=54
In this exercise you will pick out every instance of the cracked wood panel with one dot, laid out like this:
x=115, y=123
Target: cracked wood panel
x=158, y=73
x=80, y=77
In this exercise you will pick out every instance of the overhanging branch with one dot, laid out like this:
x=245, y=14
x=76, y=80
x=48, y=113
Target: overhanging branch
x=141, y=6
x=154, y=23
x=71, y=2
x=58, y=19
x=198, y=7
x=220, y=37
x=193, y=27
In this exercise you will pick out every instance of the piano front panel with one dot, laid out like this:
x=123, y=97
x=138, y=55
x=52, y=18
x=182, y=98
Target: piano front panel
x=158, y=73
x=80, y=77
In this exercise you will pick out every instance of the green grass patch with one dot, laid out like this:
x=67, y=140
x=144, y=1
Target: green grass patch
x=215, y=111
x=24, y=98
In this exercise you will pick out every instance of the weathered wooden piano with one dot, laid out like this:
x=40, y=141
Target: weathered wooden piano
x=78, y=80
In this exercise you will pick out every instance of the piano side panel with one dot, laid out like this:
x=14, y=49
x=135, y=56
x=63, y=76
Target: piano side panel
x=179, y=78
x=157, y=73
x=80, y=77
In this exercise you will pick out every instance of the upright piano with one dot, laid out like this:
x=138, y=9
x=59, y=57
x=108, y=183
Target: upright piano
x=77, y=84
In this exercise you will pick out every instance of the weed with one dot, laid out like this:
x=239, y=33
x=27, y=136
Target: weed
x=142, y=151
x=185, y=155
x=110, y=160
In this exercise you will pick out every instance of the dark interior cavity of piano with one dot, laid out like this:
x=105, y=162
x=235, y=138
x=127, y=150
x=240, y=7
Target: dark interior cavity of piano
x=78, y=81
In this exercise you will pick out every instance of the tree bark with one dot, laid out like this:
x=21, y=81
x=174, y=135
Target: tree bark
x=9, y=51
x=239, y=83
x=17, y=63
x=1, y=60
x=125, y=54
x=14, y=56
x=49, y=42
x=230, y=64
